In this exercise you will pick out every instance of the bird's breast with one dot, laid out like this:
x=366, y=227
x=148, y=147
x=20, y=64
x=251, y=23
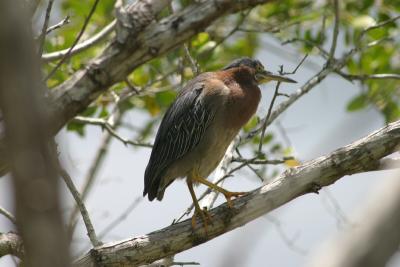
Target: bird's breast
x=241, y=105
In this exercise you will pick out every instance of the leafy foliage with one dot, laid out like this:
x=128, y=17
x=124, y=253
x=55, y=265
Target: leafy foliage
x=306, y=24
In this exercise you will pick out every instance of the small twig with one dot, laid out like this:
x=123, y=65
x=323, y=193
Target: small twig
x=335, y=30
x=42, y=36
x=179, y=263
x=81, y=46
x=276, y=93
x=93, y=170
x=8, y=215
x=229, y=34
x=262, y=179
x=264, y=126
x=66, y=56
x=106, y=125
x=379, y=25
x=63, y=22
x=85, y=215
x=297, y=67
x=321, y=50
x=193, y=64
x=255, y=161
x=131, y=86
x=363, y=77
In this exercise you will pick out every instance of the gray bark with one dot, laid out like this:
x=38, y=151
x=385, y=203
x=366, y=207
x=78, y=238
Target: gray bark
x=360, y=156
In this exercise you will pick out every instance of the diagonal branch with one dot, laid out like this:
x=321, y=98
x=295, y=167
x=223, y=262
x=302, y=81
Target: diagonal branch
x=335, y=30
x=82, y=208
x=95, y=39
x=42, y=36
x=8, y=215
x=360, y=156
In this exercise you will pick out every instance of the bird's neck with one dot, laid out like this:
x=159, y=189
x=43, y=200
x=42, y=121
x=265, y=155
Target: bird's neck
x=242, y=75
x=243, y=98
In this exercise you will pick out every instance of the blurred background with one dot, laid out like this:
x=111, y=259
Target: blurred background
x=335, y=113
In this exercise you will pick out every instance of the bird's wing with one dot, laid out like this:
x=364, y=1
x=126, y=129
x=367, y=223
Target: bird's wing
x=180, y=131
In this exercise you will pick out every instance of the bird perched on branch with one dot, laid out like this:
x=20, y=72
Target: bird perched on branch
x=199, y=126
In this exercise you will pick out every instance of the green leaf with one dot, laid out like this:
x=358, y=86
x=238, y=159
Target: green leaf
x=357, y=103
x=79, y=128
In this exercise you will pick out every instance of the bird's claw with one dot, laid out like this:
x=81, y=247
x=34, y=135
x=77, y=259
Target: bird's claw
x=205, y=217
x=230, y=195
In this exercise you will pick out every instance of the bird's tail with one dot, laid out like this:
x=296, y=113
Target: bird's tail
x=152, y=185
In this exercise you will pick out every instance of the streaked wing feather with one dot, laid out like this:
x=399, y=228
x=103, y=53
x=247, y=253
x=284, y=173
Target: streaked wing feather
x=180, y=131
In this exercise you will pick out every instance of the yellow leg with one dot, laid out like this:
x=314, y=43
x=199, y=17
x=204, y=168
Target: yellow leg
x=227, y=194
x=197, y=210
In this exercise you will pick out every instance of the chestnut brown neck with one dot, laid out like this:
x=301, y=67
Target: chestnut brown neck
x=241, y=75
x=244, y=95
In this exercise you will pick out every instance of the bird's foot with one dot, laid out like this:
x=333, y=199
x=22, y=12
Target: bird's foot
x=228, y=195
x=205, y=217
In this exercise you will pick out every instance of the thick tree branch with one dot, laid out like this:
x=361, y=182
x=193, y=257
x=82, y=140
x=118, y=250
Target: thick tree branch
x=118, y=60
x=11, y=244
x=144, y=43
x=360, y=156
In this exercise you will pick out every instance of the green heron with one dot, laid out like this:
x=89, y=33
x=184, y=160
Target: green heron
x=199, y=126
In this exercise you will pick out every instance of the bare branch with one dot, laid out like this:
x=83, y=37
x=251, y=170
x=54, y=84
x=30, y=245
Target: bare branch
x=363, y=77
x=321, y=50
x=335, y=30
x=63, y=22
x=178, y=263
x=93, y=170
x=85, y=215
x=42, y=36
x=67, y=55
x=263, y=162
x=379, y=25
x=105, y=124
x=193, y=64
x=95, y=39
x=264, y=125
x=360, y=156
x=8, y=215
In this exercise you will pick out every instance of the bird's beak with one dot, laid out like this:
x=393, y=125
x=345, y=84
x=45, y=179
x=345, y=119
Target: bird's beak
x=266, y=76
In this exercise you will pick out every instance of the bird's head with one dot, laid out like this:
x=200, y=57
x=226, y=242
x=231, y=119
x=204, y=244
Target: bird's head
x=260, y=74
